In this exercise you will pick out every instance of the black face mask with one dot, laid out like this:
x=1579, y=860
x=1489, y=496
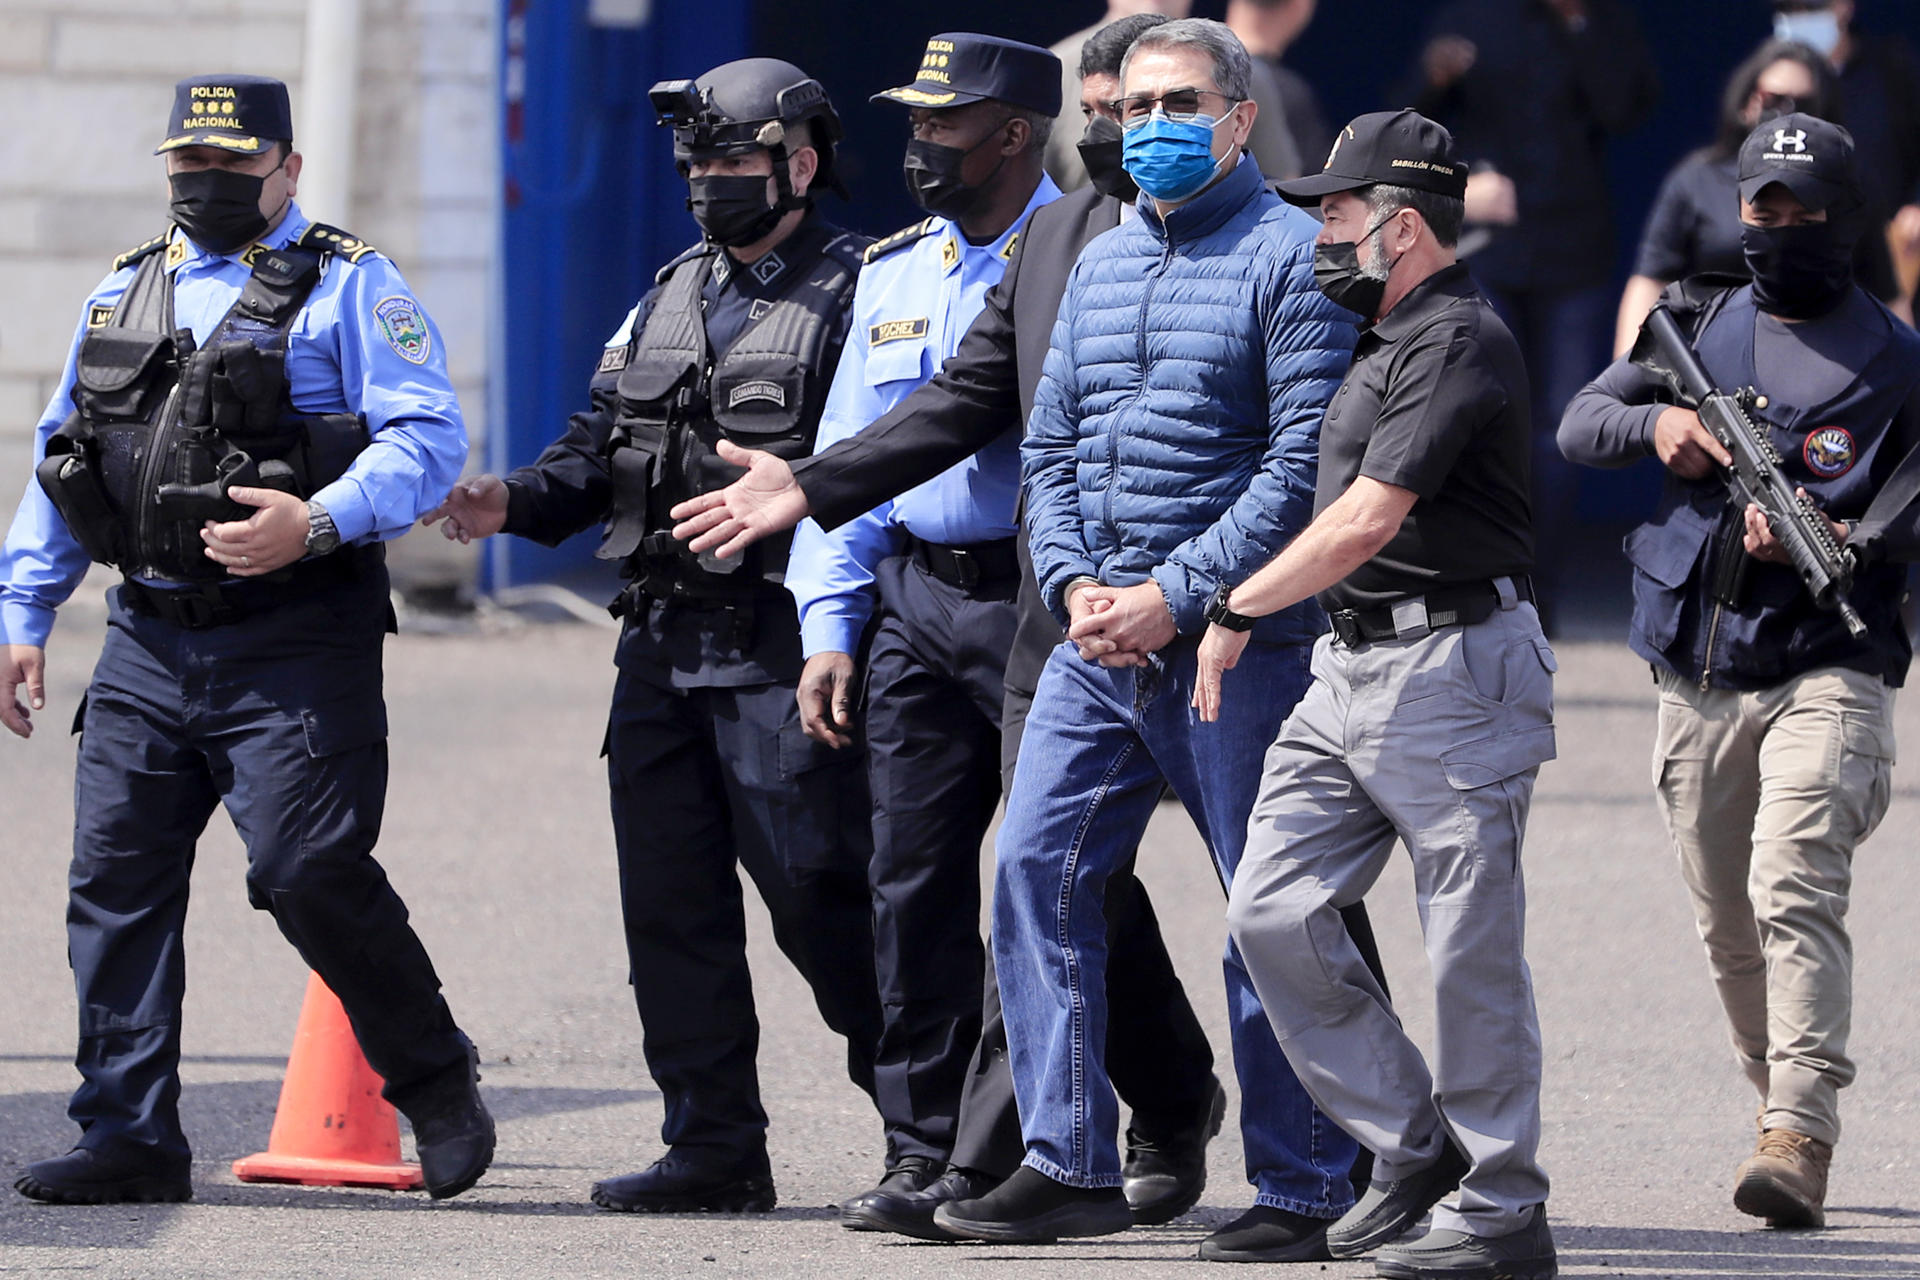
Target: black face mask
x=933, y=177
x=1799, y=272
x=1099, y=150
x=731, y=208
x=1337, y=271
x=219, y=209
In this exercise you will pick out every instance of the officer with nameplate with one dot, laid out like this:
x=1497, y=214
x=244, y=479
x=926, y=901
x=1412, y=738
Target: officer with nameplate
x=936, y=572
x=709, y=767
x=253, y=402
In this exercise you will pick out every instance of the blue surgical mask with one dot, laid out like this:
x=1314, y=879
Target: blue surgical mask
x=1818, y=29
x=1170, y=159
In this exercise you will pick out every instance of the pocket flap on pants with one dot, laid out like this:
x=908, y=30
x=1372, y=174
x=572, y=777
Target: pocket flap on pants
x=342, y=726
x=1487, y=761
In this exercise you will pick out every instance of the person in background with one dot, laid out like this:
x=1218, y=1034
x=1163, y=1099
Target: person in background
x=1272, y=144
x=1695, y=223
x=1880, y=107
x=1533, y=89
x=1268, y=28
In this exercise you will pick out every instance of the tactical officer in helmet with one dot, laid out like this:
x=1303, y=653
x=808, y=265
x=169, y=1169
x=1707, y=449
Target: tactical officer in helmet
x=253, y=401
x=707, y=760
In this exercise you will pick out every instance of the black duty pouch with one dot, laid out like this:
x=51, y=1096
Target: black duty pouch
x=122, y=373
x=238, y=389
x=331, y=441
x=70, y=475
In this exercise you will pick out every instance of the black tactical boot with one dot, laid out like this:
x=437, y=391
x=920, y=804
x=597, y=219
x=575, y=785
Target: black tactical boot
x=119, y=1176
x=676, y=1184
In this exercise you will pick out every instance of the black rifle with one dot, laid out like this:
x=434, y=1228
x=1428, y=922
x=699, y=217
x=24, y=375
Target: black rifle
x=1755, y=476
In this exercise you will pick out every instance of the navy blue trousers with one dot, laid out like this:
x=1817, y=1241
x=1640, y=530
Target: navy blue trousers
x=705, y=782
x=280, y=717
x=936, y=673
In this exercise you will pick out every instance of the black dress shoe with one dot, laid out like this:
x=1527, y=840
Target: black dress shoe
x=674, y=1184
x=1266, y=1234
x=452, y=1130
x=1388, y=1209
x=1163, y=1177
x=911, y=1175
x=910, y=1213
x=1031, y=1208
x=86, y=1176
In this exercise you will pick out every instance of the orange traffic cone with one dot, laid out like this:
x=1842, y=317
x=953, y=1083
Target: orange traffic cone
x=333, y=1129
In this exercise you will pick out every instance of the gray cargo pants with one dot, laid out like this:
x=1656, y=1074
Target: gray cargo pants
x=1436, y=741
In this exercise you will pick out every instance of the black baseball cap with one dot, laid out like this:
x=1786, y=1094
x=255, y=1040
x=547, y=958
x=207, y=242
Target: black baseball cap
x=1402, y=147
x=1811, y=157
x=244, y=114
x=959, y=67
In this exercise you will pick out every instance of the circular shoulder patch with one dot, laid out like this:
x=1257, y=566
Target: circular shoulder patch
x=1829, y=452
x=404, y=328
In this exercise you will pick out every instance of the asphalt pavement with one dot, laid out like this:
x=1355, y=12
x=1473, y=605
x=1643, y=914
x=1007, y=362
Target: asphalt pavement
x=497, y=835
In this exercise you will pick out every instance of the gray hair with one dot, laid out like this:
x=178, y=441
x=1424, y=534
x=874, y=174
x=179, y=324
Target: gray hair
x=1442, y=214
x=1232, y=66
x=1039, y=128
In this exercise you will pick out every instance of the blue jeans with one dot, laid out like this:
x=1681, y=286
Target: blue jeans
x=1099, y=743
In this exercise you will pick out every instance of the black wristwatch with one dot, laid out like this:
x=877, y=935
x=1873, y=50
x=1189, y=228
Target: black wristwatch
x=1220, y=615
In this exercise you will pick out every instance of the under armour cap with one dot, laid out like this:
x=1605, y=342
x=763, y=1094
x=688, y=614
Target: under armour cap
x=1811, y=157
x=959, y=67
x=243, y=114
x=1402, y=148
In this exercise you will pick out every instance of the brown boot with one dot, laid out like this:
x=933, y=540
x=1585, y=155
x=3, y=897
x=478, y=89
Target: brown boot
x=1785, y=1180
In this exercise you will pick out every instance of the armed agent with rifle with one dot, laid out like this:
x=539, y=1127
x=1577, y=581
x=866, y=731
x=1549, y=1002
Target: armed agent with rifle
x=1767, y=590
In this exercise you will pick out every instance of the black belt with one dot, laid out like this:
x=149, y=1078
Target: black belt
x=967, y=566
x=1415, y=616
x=197, y=606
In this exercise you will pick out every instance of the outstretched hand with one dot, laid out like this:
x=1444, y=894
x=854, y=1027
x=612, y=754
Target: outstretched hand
x=475, y=508
x=766, y=500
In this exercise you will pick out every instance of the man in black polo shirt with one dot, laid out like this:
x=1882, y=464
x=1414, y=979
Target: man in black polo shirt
x=1430, y=713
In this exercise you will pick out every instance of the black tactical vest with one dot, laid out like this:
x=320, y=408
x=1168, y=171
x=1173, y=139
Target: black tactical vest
x=161, y=429
x=677, y=401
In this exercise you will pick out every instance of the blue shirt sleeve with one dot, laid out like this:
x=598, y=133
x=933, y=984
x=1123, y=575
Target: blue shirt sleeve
x=1309, y=346
x=1049, y=462
x=41, y=563
x=831, y=573
x=398, y=380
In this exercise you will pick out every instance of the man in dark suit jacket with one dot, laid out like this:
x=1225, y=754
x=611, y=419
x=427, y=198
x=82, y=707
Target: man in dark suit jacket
x=1161, y=1063
x=1157, y=1053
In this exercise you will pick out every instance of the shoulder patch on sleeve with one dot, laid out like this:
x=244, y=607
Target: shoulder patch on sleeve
x=325, y=239
x=898, y=240
x=404, y=326
x=699, y=250
x=140, y=251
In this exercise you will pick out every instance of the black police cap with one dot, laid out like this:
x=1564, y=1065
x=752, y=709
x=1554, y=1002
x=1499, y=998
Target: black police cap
x=243, y=114
x=1811, y=157
x=959, y=67
x=1402, y=148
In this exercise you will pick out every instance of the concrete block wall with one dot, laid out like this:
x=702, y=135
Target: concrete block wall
x=85, y=86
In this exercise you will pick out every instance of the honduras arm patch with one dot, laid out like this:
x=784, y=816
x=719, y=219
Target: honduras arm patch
x=404, y=327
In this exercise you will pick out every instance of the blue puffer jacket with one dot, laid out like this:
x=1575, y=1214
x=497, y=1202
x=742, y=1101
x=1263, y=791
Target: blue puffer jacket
x=1175, y=433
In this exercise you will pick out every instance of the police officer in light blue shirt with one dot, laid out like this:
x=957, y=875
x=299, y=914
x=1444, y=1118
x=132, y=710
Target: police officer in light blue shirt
x=252, y=403
x=934, y=572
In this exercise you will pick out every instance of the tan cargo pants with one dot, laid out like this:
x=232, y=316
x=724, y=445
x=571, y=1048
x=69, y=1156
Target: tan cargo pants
x=1766, y=795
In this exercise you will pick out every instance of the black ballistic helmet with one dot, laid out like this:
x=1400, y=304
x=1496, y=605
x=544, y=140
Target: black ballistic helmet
x=748, y=104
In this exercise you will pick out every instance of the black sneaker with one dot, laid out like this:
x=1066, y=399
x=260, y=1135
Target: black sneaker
x=910, y=1213
x=1031, y=1208
x=1526, y=1254
x=1266, y=1234
x=910, y=1176
x=452, y=1130
x=674, y=1184
x=86, y=1176
x=1164, y=1177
